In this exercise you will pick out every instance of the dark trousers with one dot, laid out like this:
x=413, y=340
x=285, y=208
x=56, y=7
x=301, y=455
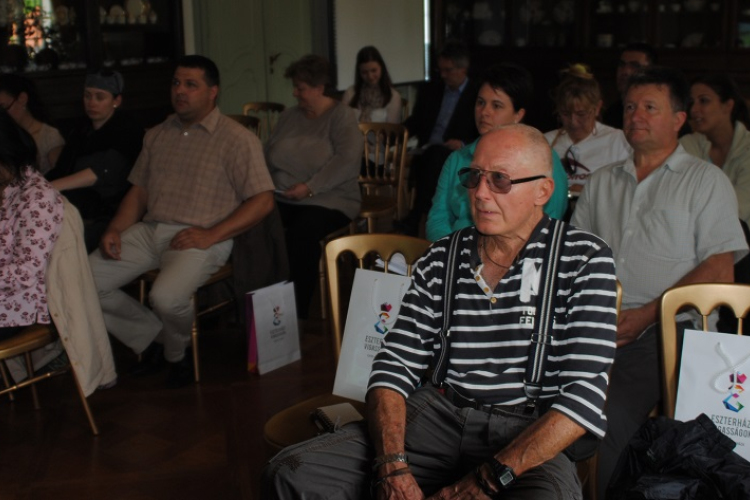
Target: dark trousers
x=443, y=443
x=305, y=226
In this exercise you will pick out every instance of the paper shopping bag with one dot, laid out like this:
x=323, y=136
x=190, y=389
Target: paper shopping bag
x=273, y=336
x=373, y=309
x=714, y=380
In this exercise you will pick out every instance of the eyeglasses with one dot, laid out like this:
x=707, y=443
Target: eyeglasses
x=497, y=181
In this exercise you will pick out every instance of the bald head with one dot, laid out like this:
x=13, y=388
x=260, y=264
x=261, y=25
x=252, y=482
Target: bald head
x=520, y=153
x=525, y=144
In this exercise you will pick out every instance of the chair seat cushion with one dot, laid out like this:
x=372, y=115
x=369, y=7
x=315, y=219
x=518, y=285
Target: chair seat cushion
x=294, y=425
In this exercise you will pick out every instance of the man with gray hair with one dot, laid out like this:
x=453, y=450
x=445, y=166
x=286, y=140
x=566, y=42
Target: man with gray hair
x=443, y=121
x=476, y=428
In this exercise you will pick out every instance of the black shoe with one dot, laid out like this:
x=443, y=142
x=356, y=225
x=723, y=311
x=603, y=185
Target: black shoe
x=181, y=373
x=152, y=361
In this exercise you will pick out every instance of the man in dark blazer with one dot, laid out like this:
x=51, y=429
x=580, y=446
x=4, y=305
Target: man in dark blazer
x=443, y=121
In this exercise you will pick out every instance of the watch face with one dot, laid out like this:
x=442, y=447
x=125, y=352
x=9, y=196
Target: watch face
x=506, y=478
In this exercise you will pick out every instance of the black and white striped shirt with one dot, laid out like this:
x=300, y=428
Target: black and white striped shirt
x=490, y=330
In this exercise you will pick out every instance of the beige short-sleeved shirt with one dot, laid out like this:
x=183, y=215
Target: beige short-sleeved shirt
x=200, y=175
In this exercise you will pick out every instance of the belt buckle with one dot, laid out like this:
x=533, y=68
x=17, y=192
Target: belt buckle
x=530, y=408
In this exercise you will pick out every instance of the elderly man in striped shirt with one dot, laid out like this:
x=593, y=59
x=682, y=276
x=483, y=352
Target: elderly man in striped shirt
x=480, y=435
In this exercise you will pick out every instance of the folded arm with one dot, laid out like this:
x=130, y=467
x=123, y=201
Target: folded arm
x=631, y=323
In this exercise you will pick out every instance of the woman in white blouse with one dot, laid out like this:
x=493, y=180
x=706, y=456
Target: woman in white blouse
x=373, y=95
x=583, y=143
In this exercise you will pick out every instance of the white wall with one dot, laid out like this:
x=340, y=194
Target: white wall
x=241, y=36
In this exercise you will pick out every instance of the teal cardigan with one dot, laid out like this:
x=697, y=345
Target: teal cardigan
x=450, y=206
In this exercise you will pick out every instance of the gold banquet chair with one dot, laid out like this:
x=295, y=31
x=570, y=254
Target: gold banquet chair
x=38, y=335
x=251, y=123
x=704, y=298
x=382, y=179
x=293, y=425
x=267, y=113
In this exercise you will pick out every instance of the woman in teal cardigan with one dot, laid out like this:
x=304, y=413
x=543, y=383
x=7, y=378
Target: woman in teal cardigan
x=505, y=90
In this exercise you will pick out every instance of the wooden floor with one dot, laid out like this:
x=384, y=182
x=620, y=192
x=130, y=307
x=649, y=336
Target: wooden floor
x=199, y=442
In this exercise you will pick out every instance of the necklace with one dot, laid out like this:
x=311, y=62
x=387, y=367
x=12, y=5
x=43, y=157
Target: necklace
x=486, y=253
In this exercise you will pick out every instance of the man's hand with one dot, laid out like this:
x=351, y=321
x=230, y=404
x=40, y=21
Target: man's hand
x=632, y=322
x=453, y=144
x=402, y=487
x=466, y=488
x=297, y=192
x=110, y=244
x=192, y=237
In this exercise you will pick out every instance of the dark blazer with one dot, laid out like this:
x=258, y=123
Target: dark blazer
x=427, y=107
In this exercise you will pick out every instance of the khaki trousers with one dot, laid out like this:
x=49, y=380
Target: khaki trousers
x=145, y=246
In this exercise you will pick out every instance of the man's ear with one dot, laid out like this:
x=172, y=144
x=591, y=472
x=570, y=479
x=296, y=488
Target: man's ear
x=680, y=119
x=545, y=190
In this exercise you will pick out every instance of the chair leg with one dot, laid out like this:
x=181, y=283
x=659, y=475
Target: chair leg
x=194, y=335
x=30, y=374
x=85, y=403
x=322, y=279
x=6, y=381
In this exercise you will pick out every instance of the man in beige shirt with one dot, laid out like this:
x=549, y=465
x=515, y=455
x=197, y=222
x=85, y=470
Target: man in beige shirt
x=200, y=180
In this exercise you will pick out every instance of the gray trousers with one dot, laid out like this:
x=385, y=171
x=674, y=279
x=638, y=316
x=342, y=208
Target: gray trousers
x=145, y=246
x=443, y=443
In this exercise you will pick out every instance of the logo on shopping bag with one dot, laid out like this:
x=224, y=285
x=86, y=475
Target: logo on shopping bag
x=732, y=401
x=383, y=317
x=277, y=314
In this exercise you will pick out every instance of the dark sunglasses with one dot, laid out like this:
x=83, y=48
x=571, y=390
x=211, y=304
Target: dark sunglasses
x=569, y=163
x=498, y=182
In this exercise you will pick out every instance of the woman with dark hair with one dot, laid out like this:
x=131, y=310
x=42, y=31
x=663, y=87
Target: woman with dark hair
x=719, y=117
x=19, y=97
x=372, y=94
x=30, y=222
x=505, y=91
x=94, y=165
x=582, y=142
x=313, y=154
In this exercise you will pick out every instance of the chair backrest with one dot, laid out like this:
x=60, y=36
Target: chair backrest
x=704, y=298
x=384, y=161
x=362, y=245
x=404, y=108
x=250, y=122
x=267, y=113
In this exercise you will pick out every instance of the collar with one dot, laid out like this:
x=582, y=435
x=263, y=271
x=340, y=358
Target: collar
x=460, y=88
x=673, y=162
x=536, y=236
x=209, y=122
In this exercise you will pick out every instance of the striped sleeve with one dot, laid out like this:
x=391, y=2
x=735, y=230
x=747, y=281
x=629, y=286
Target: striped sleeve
x=407, y=349
x=585, y=341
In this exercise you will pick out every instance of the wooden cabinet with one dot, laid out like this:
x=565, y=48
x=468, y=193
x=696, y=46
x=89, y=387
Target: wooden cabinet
x=696, y=36
x=56, y=42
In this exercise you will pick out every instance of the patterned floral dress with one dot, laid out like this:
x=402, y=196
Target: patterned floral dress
x=30, y=222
